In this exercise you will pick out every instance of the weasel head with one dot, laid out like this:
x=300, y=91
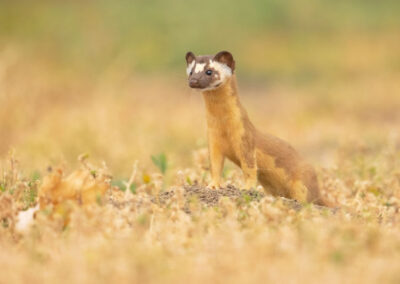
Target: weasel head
x=209, y=72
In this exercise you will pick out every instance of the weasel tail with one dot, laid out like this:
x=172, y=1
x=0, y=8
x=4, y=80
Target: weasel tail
x=262, y=157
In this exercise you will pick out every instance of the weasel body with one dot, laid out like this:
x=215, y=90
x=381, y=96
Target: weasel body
x=263, y=157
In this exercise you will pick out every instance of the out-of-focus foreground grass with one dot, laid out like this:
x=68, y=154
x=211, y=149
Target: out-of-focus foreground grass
x=107, y=78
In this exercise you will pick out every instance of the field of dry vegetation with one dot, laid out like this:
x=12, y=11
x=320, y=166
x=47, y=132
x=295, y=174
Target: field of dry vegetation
x=113, y=161
x=168, y=228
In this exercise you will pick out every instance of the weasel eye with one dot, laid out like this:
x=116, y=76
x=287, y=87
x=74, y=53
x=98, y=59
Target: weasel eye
x=209, y=72
x=191, y=72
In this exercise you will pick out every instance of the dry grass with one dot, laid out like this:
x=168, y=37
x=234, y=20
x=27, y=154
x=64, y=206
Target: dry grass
x=348, y=127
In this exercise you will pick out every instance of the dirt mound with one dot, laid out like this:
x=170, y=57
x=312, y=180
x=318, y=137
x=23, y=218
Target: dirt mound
x=211, y=197
x=208, y=197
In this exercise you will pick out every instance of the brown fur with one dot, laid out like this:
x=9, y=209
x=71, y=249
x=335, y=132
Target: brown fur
x=263, y=157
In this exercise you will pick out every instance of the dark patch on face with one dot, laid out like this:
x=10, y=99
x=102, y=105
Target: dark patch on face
x=202, y=80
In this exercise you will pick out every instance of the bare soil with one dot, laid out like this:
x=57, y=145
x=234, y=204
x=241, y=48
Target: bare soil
x=211, y=197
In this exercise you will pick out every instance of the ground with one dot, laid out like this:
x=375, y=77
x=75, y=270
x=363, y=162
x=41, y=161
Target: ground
x=182, y=231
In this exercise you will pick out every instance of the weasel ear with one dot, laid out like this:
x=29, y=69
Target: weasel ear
x=225, y=57
x=190, y=57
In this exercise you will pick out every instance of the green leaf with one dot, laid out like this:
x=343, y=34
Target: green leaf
x=337, y=256
x=160, y=161
x=374, y=190
x=247, y=198
x=35, y=176
x=122, y=186
x=133, y=188
x=99, y=200
x=30, y=197
x=118, y=183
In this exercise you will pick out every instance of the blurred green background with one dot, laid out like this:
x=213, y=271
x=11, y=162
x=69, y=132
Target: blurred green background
x=297, y=39
x=111, y=75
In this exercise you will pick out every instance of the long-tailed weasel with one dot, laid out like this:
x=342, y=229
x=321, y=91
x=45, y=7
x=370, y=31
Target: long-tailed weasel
x=263, y=157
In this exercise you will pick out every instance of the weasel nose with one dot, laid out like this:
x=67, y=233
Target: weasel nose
x=193, y=83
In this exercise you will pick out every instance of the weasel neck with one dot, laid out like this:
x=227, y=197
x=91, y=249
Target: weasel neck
x=220, y=101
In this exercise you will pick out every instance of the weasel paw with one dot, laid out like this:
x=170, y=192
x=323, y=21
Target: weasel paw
x=214, y=185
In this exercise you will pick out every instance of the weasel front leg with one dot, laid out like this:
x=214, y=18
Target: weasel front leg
x=216, y=162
